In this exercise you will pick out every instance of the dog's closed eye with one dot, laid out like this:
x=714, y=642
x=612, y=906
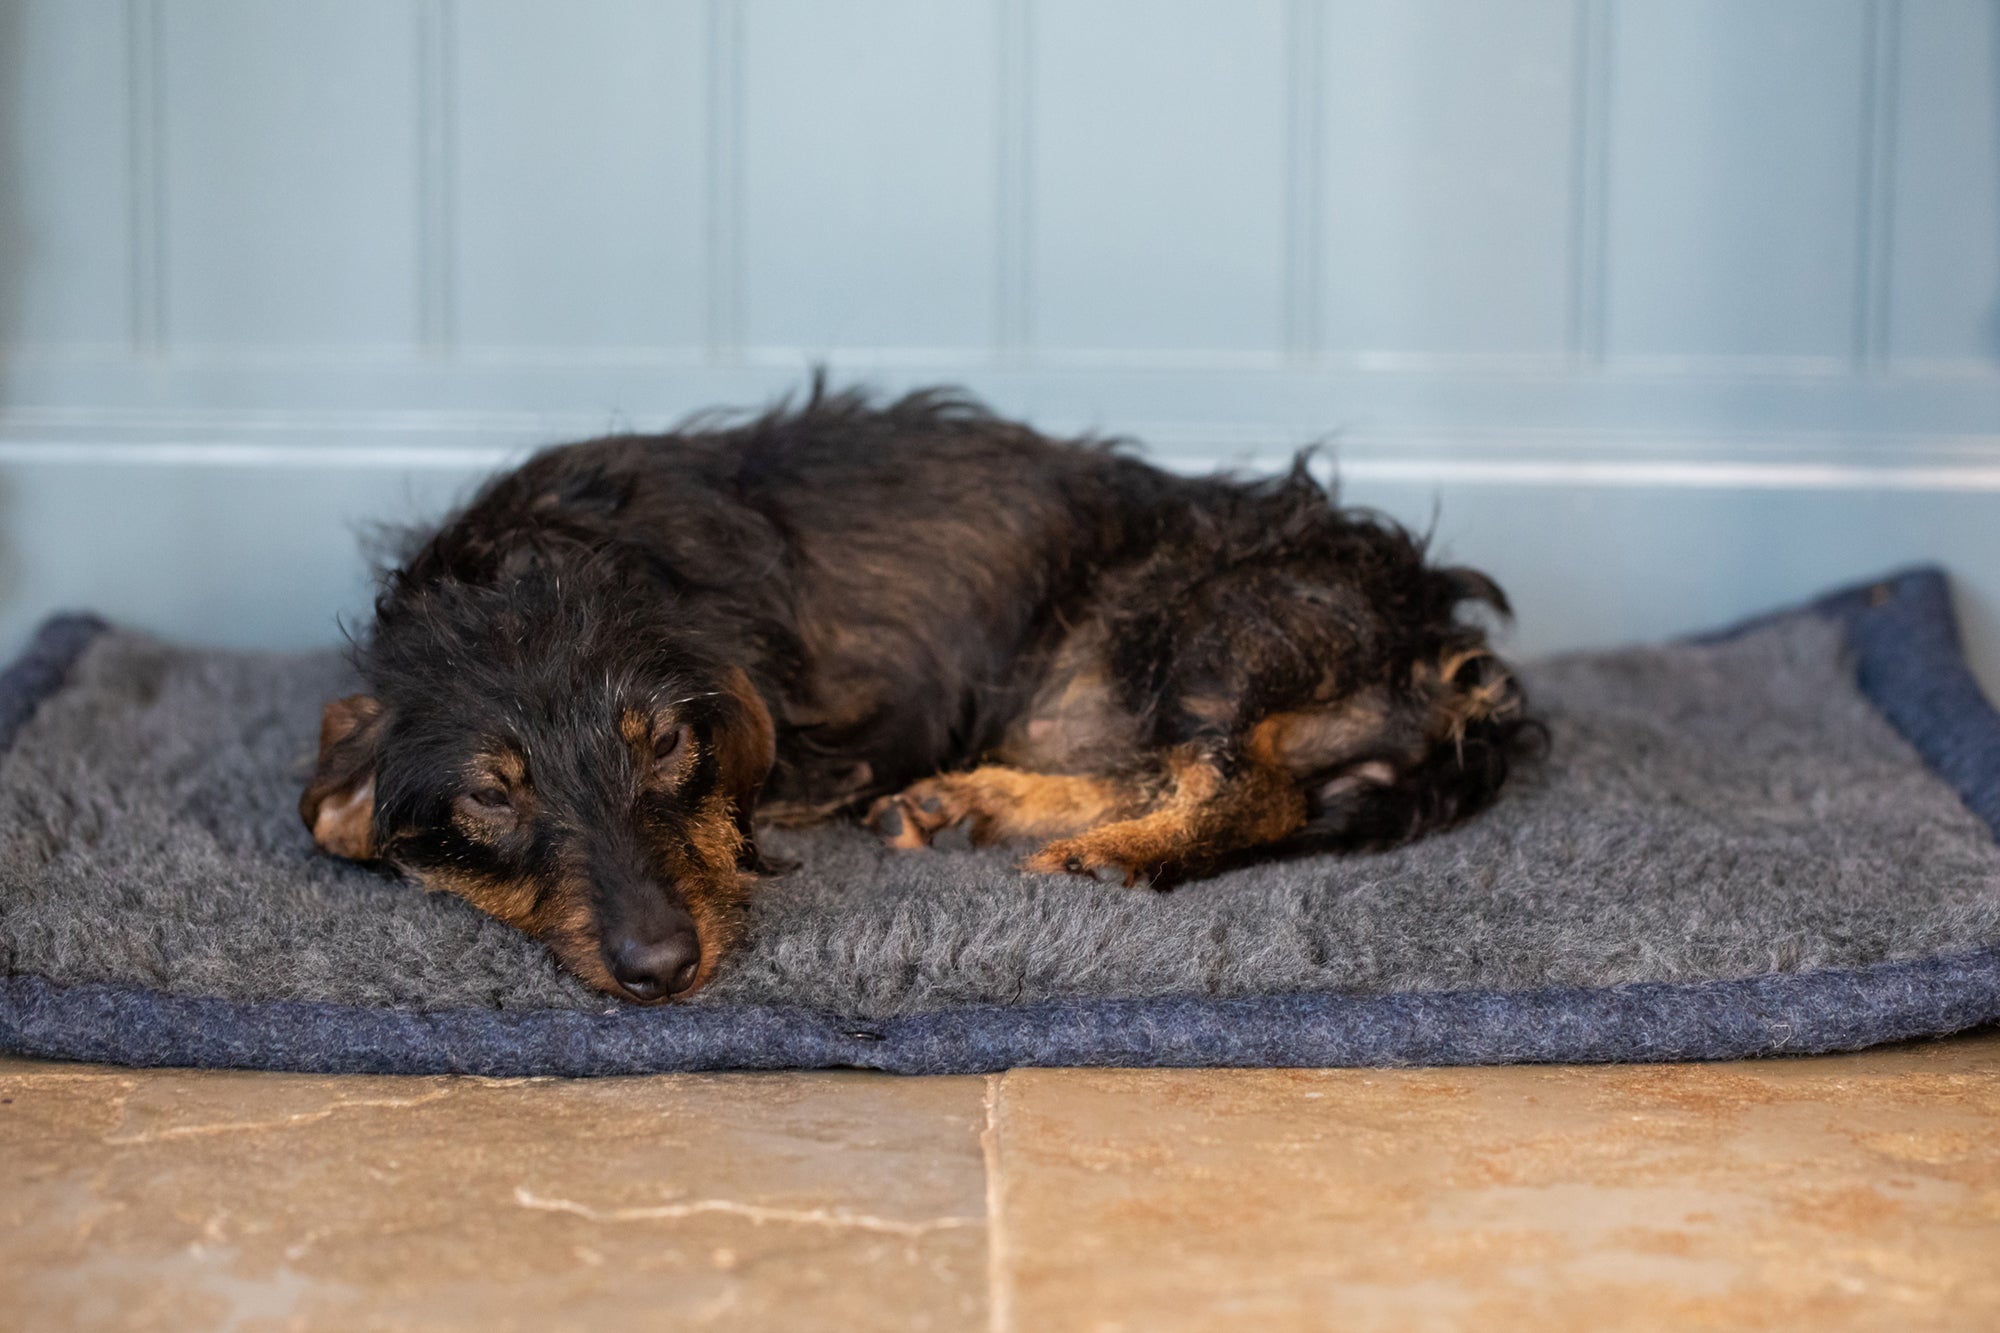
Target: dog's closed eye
x=662, y=749
x=673, y=755
x=671, y=750
x=489, y=805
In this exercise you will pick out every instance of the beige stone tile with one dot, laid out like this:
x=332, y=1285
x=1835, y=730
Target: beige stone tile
x=1844, y=1192
x=180, y=1200
x=1850, y=1192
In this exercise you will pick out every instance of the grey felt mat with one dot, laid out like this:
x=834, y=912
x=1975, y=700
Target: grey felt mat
x=1709, y=813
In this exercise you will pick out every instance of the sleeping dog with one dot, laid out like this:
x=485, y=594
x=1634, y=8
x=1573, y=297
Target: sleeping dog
x=589, y=685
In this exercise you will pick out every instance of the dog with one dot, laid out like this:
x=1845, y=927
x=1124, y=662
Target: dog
x=589, y=684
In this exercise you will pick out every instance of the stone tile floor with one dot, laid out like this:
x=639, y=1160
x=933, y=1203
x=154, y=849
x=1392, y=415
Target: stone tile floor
x=1843, y=1192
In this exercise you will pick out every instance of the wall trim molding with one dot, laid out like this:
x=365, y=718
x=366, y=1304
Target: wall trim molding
x=119, y=358
x=479, y=441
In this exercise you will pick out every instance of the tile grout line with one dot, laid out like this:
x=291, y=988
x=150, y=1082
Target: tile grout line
x=999, y=1295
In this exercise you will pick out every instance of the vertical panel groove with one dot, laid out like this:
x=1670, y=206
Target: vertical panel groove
x=1877, y=184
x=145, y=74
x=1013, y=322
x=725, y=180
x=1304, y=239
x=1590, y=171
x=436, y=107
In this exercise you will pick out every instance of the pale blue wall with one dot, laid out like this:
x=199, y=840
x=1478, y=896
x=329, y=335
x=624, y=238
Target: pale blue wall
x=1675, y=308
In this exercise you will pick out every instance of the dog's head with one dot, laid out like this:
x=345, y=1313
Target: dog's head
x=559, y=753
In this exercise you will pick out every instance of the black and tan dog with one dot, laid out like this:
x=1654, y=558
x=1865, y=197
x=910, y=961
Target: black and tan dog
x=588, y=682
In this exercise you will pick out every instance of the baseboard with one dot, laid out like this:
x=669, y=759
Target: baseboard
x=473, y=441
x=1215, y=402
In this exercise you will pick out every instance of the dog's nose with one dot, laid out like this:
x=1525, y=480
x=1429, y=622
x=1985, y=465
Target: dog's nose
x=658, y=967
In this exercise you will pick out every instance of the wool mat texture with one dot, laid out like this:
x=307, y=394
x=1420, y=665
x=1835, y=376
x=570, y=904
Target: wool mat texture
x=1780, y=838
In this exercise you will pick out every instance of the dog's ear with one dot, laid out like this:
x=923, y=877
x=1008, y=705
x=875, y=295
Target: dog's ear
x=339, y=803
x=747, y=746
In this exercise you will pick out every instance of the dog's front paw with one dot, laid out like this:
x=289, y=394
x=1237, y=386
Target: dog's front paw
x=898, y=822
x=917, y=814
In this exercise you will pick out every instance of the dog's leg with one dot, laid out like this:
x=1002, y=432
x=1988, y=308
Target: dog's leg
x=1137, y=828
x=996, y=802
x=1201, y=815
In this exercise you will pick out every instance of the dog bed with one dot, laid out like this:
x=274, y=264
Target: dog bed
x=1777, y=839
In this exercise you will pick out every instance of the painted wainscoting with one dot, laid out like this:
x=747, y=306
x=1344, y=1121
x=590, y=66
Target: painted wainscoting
x=1666, y=309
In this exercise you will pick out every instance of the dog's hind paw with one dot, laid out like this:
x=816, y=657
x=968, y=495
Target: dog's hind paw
x=1089, y=858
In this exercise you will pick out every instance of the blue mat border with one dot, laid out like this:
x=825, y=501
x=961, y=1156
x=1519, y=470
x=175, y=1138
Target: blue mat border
x=1909, y=664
